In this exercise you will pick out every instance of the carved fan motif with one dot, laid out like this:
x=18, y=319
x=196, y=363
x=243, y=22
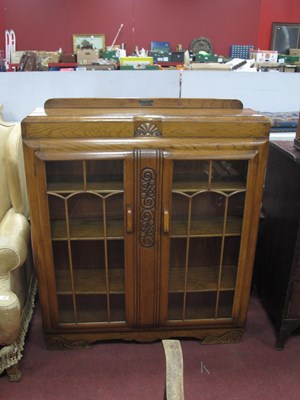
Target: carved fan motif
x=147, y=129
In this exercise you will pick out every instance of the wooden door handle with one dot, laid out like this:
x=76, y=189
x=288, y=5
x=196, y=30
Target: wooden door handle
x=129, y=226
x=166, y=221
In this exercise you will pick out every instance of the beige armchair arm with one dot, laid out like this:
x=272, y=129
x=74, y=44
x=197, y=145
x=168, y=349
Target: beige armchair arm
x=14, y=239
x=17, y=278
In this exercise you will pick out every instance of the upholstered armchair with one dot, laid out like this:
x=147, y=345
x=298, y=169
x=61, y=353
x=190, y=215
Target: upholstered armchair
x=17, y=279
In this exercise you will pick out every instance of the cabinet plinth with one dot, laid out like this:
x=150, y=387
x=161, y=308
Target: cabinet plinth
x=144, y=217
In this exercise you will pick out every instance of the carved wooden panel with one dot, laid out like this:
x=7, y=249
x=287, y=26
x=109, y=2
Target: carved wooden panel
x=147, y=209
x=147, y=129
x=148, y=167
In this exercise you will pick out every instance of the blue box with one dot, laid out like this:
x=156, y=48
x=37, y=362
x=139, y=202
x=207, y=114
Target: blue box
x=160, y=46
x=241, y=51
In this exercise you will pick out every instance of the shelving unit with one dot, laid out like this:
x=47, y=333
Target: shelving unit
x=89, y=66
x=144, y=216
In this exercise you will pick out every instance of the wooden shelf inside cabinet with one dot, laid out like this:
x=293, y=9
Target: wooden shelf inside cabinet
x=97, y=187
x=88, y=317
x=208, y=313
x=202, y=279
x=87, y=230
x=207, y=226
x=90, y=281
x=195, y=186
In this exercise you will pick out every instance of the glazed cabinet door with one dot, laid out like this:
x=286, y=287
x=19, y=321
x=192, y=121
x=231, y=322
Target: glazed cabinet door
x=84, y=245
x=206, y=207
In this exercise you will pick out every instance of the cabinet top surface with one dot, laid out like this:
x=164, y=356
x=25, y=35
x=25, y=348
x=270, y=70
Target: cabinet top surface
x=154, y=117
x=287, y=149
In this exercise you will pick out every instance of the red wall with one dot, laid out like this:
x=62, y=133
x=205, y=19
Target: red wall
x=50, y=24
x=275, y=11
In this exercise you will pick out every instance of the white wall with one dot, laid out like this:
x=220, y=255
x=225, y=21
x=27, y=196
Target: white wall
x=22, y=92
x=261, y=91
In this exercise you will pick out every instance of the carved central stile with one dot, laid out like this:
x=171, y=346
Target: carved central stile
x=147, y=211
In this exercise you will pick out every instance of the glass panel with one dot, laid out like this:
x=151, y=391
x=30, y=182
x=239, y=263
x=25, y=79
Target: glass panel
x=207, y=214
x=229, y=175
x=57, y=211
x=180, y=214
x=206, y=226
x=117, y=312
x=114, y=210
x=178, y=251
x=205, y=252
x=66, y=309
x=65, y=176
x=104, y=175
x=200, y=305
x=190, y=174
x=202, y=264
x=226, y=304
x=193, y=175
x=176, y=301
x=92, y=308
x=236, y=203
x=87, y=230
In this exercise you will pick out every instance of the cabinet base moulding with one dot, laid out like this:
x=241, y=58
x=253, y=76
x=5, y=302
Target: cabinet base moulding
x=83, y=341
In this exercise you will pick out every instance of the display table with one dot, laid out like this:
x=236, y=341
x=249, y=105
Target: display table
x=22, y=92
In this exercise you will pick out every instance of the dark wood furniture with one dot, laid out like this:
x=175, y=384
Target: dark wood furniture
x=278, y=269
x=144, y=216
x=297, y=138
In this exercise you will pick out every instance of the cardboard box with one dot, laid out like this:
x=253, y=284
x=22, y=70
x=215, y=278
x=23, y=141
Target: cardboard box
x=295, y=52
x=266, y=56
x=87, y=56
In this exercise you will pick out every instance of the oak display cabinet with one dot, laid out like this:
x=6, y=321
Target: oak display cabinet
x=144, y=216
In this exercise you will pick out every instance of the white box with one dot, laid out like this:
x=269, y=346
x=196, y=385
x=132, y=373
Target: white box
x=266, y=56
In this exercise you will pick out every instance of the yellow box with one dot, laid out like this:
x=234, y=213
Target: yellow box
x=131, y=61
